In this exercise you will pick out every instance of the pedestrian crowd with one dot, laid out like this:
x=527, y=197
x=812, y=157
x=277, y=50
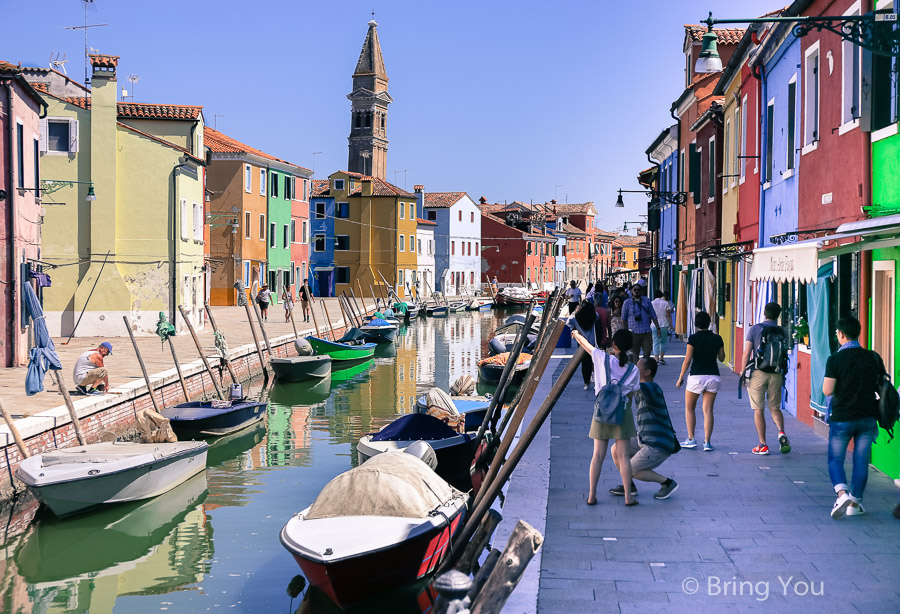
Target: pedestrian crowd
x=625, y=337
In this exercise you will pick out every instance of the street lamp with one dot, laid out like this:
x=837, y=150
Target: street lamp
x=676, y=198
x=872, y=31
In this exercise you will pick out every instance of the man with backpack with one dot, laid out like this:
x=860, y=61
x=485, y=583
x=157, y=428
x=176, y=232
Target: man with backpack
x=637, y=313
x=853, y=376
x=765, y=356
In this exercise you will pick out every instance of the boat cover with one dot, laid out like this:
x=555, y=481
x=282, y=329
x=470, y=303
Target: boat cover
x=353, y=334
x=414, y=427
x=464, y=385
x=438, y=404
x=501, y=359
x=109, y=452
x=388, y=484
x=377, y=322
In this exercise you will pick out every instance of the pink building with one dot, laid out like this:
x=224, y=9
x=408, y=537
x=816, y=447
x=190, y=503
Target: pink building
x=300, y=232
x=21, y=108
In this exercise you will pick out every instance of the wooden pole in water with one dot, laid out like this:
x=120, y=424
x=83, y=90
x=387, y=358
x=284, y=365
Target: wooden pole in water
x=178, y=369
x=475, y=547
x=227, y=362
x=363, y=313
x=206, y=364
x=519, y=413
x=357, y=321
x=328, y=320
x=137, y=352
x=347, y=321
x=374, y=298
x=79, y=434
x=523, y=544
x=312, y=310
x=262, y=328
x=362, y=297
x=494, y=487
x=262, y=360
x=293, y=324
x=23, y=449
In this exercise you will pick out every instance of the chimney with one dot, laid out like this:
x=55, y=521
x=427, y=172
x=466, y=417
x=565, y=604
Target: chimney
x=419, y=189
x=104, y=66
x=366, y=185
x=482, y=200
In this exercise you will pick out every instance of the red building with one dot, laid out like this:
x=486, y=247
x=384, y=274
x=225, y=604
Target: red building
x=300, y=232
x=515, y=247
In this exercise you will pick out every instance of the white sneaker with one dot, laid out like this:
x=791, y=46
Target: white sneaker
x=586, y=386
x=855, y=509
x=839, y=509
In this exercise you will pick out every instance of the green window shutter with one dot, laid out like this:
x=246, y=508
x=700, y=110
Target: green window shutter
x=720, y=287
x=694, y=172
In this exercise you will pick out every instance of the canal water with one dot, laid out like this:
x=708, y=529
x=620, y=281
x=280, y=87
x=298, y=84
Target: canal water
x=212, y=543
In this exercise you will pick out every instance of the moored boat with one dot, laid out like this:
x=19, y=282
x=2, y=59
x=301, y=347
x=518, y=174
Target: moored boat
x=378, y=330
x=490, y=369
x=436, y=310
x=455, y=306
x=362, y=537
x=301, y=368
x=201, y=419
x=341, y=352
x=477, y=304
x=73, y=480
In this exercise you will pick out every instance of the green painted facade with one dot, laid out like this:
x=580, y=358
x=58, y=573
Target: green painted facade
x=279, y=238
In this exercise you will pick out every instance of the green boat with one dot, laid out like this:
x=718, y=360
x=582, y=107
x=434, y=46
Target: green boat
x=341, y=351
x=345, y=374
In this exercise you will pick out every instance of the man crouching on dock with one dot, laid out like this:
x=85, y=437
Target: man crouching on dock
x=655, y=434
x=90, y=376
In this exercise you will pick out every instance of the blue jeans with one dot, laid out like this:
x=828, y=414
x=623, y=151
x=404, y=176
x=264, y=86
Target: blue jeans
x=863, y=433
x=660, y=340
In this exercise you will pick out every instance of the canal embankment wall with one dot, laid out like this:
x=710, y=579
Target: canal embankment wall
x=107, y=417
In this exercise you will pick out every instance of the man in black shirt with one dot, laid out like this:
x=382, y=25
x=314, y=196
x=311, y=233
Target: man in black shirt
x=852, y=376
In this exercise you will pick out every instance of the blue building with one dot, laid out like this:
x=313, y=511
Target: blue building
x=322, y=237
x=663, y=215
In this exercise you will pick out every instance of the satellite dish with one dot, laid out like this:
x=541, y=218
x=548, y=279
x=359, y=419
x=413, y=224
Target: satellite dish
x=58, y=62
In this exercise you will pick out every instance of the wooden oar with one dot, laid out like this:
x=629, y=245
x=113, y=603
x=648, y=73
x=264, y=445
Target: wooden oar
x=227, y=362
x=494, y=488
x=206, y=364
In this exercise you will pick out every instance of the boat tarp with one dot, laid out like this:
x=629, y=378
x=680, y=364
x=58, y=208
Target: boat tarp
x=377, y=322
x=415, y=427
x=438, y=404
x=464, y=385
x=353, y=334
x=388, y=484
x=501, y=359
x=108, y=452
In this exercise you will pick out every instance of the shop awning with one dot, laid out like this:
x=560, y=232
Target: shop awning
x=800, y=261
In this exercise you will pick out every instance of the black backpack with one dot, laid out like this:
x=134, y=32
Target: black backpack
x=772, y=351
x=888, y=401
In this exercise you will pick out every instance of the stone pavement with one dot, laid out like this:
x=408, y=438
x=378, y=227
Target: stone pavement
x=123, y=365
x=742, y=533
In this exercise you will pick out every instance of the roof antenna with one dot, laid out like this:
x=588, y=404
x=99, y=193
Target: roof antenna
x=58, y=62
x=87, y=63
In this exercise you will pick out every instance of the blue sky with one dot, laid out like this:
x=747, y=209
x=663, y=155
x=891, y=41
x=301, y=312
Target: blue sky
x=513, y=100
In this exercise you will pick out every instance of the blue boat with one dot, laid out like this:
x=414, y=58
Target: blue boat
x=378, y=330
x=201, y=419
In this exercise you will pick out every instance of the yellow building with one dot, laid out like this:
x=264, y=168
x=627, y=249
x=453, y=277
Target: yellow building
x=125, y=225
x=375, y=233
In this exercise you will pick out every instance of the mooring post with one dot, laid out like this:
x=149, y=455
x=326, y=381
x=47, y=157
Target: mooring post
x=216, y=333
x=137, y=352
x=206, y=364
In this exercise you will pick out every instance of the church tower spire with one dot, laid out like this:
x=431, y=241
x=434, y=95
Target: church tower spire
x=368, y=110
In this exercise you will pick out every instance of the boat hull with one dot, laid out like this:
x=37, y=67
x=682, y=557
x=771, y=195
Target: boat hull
x=199, y=420
x=436, y=310
x=341, y=352
x=301, y=368
x=352, y=580
x=91, y=485
x=379, y=334
x=492, y=373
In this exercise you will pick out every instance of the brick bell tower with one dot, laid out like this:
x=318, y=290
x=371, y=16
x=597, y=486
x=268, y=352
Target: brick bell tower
x=368, y=110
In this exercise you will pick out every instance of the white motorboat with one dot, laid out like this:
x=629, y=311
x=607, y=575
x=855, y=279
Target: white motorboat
x=73, y=480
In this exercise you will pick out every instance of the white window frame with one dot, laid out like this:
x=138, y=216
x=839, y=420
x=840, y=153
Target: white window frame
x=185, y=231
x=402, y=213
x=294, y=231
x=198, y=222
x=726, y=155
x=736, y=145
x=293, y=276
x=790, y=158
x=44, y=136
x=304, y=231
x=324, y=210
x=339, y=184
x=770, y=125
x=248, y=220
x=711, y=165
x=248, y=179
x=315, y=243
x=401, y=243
x=811, y=133
x=246, y=273
x=742, y=162
x=273, y=235
x=262, y=182
x=848, y=122
x=262, y=226
x=412, y=244
x=285, y=236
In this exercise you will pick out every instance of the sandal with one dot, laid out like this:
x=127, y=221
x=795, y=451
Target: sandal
x=635, y=502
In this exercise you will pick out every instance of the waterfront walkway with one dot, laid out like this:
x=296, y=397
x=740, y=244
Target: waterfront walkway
x=738, y=528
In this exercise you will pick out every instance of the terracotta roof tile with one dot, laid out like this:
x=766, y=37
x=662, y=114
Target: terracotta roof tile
x=586, y=208
x=142, y=110
x=727, y=36
x=320, y=187
x=422, y=222
x=41, y=87
x=83, y=102
x=104, y=61
x=380, y=187
x=221, y=143
x=442, y=200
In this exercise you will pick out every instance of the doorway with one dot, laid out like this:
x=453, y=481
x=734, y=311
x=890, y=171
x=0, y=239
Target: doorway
x=883, y=312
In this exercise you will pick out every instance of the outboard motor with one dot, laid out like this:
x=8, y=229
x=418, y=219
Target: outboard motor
x=303, y=347
x=236, y=393
x=424, y=452
x=497, y=346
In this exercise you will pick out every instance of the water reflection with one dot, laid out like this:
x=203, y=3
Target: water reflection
x=159, y=554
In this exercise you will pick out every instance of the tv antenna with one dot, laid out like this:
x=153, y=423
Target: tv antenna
x=133, y=79
x=88, y=5
x=58, y=62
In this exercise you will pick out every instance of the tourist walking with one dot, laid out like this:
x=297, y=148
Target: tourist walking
x=602, y=328
x=573, y=294
x=655, y=441
x=305, y=298
x=663, y=308
x=704, y=349
x=852, y=377
x=288, y=302
x=765, y=359
x=638, y=313
x=622, y=371
x=263, y=298
x=616, y=323
x=583, y=322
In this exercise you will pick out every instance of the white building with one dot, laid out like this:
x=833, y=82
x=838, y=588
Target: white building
x=457, y=238
x=425, y=272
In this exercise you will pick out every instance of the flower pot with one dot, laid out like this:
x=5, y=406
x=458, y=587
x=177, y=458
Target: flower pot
x=806, y=340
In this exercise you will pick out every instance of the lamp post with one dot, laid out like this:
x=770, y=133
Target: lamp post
x=872, y=31
x=676, y=198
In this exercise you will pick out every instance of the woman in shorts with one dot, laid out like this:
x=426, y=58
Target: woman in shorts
x=704, y=351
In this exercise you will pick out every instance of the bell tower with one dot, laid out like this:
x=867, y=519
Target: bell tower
x=368, y=110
